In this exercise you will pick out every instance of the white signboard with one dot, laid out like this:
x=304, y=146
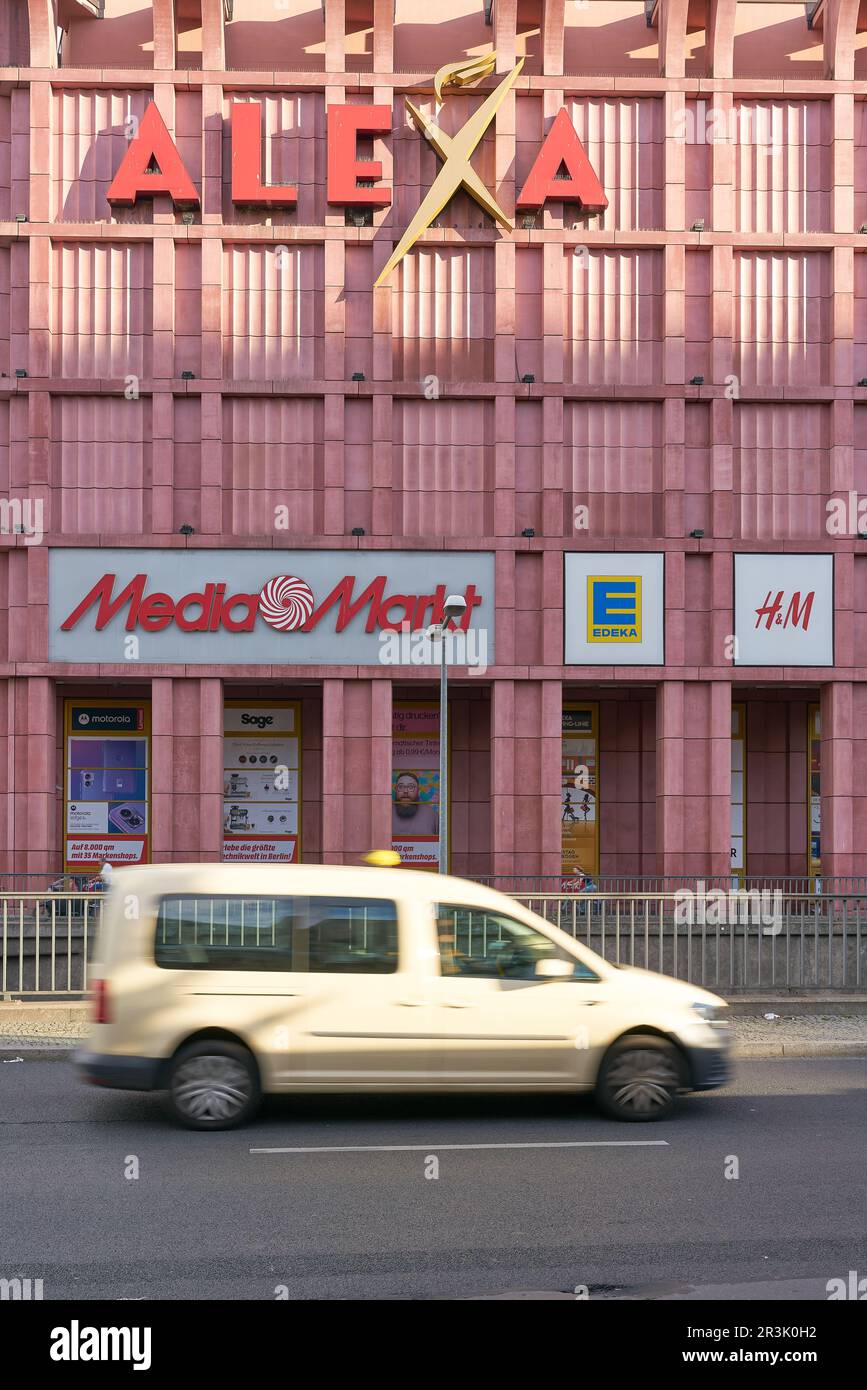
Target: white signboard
x=784, y=610
x=252, y=607
x=614, y=608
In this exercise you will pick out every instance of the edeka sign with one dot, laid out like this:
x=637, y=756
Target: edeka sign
x=261, y=607
x=614, y=608
x=560, y=171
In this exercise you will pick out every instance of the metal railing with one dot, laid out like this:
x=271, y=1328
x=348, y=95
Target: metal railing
x=46, y=941
x=517, y=884
x=730, y=942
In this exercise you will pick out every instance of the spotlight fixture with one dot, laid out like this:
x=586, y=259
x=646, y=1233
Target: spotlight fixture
x=528, y=533
x=188, y=218
x=188, y=376
x=862, y=230
x=528, y=221
x=862, y=382
x=358, y=376
x=20, y=371
x=187, y=529
x=358, y=530
x=698, y=225
x=697, y=535
x=696, y=381
x=21, y=217
x=528, y=379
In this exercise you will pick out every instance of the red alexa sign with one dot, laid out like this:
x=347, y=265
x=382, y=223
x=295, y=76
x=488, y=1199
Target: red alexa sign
x=152, y=164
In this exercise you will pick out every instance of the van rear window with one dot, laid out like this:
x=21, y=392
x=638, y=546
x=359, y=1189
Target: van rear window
x=328, y=934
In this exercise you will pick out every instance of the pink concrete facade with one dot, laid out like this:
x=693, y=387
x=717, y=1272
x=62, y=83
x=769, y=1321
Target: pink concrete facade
x=686, y=361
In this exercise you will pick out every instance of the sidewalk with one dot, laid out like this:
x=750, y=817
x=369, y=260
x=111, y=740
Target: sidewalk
x=823, y=1026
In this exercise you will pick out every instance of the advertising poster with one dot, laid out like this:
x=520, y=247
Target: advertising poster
x=814, y=791
x=106, y=809
x=261, y=781
x=738, y=808
x=415, y=791
x=579, y=791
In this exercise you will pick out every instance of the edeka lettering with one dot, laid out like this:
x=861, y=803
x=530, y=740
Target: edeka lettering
x=211, y=608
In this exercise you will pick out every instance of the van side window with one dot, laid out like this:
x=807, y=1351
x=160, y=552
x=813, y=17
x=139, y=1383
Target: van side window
x=199, y=932
x=479, y=943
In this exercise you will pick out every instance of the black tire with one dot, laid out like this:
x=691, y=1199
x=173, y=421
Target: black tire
x=639, y=1078
x=213, y=1084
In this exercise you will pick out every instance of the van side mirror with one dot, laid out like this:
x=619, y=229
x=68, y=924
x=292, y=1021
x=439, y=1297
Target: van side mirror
x=555, y=968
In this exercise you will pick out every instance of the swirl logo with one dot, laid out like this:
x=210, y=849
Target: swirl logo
x=286, y=602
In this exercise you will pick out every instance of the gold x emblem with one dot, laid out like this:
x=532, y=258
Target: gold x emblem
x=456, y=152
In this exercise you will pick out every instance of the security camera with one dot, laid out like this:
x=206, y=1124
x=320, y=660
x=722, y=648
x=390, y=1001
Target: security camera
x=455, y=607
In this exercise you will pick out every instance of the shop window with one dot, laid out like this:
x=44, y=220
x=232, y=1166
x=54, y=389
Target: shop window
x=415, y=783
x=579, y=790
x=107, y=783
x=739, y=794
x=814, y=791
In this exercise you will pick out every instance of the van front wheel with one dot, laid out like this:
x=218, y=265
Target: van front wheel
x=213, y=1085
x=639, y=1079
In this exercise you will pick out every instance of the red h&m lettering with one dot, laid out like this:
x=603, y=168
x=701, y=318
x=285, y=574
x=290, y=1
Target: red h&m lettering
x=796, y=615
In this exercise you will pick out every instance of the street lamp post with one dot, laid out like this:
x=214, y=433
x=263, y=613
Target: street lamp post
x=454, y=607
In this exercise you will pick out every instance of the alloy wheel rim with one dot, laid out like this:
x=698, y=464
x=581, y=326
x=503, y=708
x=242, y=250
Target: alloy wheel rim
x=642, y=1080
x=211, y=1088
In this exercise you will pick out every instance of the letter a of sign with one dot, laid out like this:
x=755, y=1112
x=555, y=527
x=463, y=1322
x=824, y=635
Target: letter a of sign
x=562, y=146
x=151, y=166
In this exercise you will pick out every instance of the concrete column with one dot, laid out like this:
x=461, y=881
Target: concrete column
x=839, y=745
x=383, y=35
x=553, y=20
x=335, y=35
x=187, y=769
x=29, y=720
x=213, y=36
x=505, y=33
x=526, y=733
x=356, y=768
x=165, y=35
x=43, y=35
x=693, y=777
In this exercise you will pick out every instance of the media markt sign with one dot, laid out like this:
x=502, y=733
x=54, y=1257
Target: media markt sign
x=256, y=607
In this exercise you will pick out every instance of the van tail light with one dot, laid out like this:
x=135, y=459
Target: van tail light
x=101, y=1011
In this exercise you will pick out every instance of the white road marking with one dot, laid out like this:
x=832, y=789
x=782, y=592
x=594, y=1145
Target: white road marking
x=436, y=1148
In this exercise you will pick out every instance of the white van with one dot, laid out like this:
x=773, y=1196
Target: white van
x=220, y=982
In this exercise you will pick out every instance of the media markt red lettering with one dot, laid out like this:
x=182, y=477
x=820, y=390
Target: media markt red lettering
x=796, y=615
x=212, y=608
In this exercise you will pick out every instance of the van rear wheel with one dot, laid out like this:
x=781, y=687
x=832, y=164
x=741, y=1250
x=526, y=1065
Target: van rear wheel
x=213, y=1085
x=639, y=1078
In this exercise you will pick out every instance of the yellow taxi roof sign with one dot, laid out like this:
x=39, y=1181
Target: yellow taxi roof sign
x=383, y=858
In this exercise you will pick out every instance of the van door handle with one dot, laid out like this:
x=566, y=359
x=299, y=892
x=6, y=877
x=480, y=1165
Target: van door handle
x=459, y=1004
x=414, y=1003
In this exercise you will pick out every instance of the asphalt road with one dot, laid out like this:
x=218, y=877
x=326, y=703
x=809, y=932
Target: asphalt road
x=635, y=1211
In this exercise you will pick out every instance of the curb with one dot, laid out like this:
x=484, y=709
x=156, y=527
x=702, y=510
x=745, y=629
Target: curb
x=800, y=1048
x=26, y=1053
